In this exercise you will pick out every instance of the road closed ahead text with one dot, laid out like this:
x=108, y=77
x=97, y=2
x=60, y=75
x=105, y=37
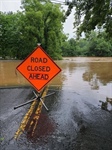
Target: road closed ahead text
x=40, y=70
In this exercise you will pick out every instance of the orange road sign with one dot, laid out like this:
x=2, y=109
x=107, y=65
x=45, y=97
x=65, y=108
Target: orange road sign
x=38, y=68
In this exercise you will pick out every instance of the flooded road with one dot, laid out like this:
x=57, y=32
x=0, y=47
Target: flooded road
x=80, y=111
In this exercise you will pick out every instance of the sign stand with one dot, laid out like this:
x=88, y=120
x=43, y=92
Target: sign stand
x=39, y=69
x=38, y=97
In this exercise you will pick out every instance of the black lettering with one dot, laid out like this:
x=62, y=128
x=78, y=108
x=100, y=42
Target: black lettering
x=46, y=76
x=38, y=60
x=30, y=76
x=32, y=69
x=42, y=76
x=40, y=68
x=32, y=59
x=36, y=68
x=44, y=60
x=47, y=68
x=34, y=76
x=28, y=68
x=43, y=68
x=37, y=76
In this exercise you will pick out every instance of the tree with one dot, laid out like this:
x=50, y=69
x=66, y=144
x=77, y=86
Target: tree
x=69, y=48
x=99, y=45
x=94, y=44
x=82, y=47
x=42, y=26
x=12, y=39
x=91, y=13
x=8, y=33
x=22, y=31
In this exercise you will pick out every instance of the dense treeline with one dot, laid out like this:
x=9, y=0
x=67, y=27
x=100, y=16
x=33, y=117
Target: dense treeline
x=95, y=44
x=37, y=23
x=41, y=21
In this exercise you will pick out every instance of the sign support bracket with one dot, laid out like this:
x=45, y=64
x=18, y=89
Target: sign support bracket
x=38, y=97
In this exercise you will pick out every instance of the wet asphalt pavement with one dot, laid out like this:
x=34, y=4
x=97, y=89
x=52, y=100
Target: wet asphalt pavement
x=9, y=118
x=72, y=122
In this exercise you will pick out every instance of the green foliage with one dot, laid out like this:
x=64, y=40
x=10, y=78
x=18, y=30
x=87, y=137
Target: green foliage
x=99, y=45
x=91, y=13
x=95, y=45
x=9, y=34
x=39, y=22
x=43, y=26
x=69, y=47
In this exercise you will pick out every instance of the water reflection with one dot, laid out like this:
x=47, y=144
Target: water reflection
x=75, y=71
x=107, y=105
x=98, y=72
x=92, y=79
x=81, y=82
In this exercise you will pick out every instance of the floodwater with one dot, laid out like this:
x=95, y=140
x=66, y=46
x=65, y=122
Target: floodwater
x=76, y=120
x=77, y=73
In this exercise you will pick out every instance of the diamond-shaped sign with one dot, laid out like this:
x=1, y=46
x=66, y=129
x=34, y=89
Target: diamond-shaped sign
x=38, y=68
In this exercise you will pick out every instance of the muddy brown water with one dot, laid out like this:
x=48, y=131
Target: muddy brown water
x=77, y=72
x=82, y=74
x=79, y=123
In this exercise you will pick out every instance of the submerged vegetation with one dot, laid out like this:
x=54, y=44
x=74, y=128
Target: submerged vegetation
x=41, y=21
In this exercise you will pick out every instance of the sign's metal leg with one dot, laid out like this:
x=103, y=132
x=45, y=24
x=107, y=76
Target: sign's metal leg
x=39, y=97
x=30, y=101
x=48, y=95
x=36, y=94
x=44, y=104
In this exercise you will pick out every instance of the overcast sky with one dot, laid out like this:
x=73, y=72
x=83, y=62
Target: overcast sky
x=14, y=5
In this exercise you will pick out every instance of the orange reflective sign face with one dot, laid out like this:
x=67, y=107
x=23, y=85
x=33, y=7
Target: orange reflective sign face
x=38, y=68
